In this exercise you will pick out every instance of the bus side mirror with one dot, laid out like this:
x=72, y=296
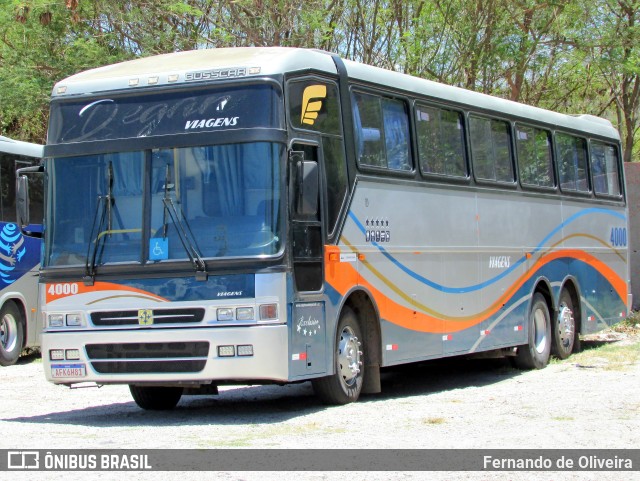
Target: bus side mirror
x=23, y=205
x=307, y=185
x=22, y=200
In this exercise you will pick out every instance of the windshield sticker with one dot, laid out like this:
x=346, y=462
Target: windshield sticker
x=158, y=249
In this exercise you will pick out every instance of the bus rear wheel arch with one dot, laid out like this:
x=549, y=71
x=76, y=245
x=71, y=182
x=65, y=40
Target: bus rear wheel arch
x=11, y=333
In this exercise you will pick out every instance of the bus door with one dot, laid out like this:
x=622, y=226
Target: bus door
x=308, y=329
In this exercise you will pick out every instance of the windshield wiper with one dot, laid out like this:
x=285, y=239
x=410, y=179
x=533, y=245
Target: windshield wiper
x=187, y=239
x=103, y=213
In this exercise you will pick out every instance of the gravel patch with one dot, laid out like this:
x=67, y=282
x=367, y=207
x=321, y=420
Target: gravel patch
x=452, y=404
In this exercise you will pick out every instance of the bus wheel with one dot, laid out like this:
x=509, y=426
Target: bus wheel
x=11, y=334
x=156, y=398
x=563, y=332
x=345, y=385
x=535, y=354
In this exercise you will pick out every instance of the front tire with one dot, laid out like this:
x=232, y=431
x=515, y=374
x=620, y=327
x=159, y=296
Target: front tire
x=535, y=354
x=11, y=334
x=345, y=385
x=564, y=328
x=156, y=398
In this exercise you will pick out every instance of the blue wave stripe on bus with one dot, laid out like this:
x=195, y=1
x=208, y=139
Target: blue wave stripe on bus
x=488, y=282
x=593, y=210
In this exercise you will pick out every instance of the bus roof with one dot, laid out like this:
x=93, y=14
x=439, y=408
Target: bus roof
x=226, y=63
x=18, y=147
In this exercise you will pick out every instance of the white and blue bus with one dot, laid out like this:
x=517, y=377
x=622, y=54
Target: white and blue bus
x=273, y=215
x=20, y=324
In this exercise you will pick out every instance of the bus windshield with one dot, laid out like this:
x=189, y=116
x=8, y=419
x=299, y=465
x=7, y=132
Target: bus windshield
x=164, y=205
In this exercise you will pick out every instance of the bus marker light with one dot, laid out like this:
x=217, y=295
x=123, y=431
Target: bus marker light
x=56, y=354
x=392, y=347
x=447, y=337
x=226, y=351
x=485, y=332
x=134, y=82
x=173, y=77
x=245, y=350
x=517, y=328
x=299, y=356
x=268, y=311
x=72, y=354
x=152, y=80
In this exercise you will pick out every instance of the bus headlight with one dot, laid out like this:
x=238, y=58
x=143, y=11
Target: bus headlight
x=56, y=320
x=225, y=314
x=244, y=313
x=74, y=320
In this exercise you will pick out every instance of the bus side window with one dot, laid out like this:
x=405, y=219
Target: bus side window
x=572, y=163
x=382, y=132
x=491, y=149
x=535, y=162
x=368, y=122
x=604, y=169
x=440, y=141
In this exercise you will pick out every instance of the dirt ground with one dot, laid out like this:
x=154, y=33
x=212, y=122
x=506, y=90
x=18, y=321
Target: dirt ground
x=579, y=403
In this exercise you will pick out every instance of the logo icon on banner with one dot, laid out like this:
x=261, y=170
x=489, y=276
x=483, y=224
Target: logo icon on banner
x=23, y=460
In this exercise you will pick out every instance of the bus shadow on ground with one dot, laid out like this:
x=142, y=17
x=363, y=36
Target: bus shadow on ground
x=271, y=404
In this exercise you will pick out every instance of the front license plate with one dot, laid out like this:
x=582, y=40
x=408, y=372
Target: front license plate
x=68, y=370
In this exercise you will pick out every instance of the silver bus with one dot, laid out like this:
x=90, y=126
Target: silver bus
x=274, y=215
x=20, y=324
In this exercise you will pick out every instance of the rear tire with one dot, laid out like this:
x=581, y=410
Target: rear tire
x=345, y=385
x=11, y=334
x=156, y=398
x=535, y=354
x=564, y=328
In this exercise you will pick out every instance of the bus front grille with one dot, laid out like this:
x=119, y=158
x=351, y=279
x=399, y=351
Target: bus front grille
x=141, y=317
x=160, y=357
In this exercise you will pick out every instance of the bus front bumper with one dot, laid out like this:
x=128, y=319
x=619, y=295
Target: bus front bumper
x=169, y=356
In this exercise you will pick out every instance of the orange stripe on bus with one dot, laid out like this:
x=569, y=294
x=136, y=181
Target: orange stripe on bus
x=343, y=276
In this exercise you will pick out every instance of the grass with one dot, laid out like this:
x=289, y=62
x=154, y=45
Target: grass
x=612, y=354
x=433, y=421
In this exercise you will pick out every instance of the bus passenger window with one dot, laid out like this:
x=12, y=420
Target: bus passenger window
x=382, y=132
x=534, y=157
x=572, y=163
x=396, y=134
x=491, y=149
x=440, y=141
x=604, y=169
